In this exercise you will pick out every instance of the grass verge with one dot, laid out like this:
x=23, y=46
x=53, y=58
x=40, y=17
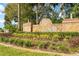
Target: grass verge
x=9, y=51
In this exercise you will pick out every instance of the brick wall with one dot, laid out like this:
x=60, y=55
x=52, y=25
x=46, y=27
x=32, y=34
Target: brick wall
x=27, y=27
x=68, y=25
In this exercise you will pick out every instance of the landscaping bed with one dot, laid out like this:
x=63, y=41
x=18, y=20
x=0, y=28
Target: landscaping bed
x=66, y=42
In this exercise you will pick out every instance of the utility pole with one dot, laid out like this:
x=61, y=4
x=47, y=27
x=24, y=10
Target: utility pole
x=18, y=17
x=71, y=15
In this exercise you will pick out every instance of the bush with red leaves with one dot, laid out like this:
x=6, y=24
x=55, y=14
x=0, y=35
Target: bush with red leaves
x=74, y=42
x=6, y=35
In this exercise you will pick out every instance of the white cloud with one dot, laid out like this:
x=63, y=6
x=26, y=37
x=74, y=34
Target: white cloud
x=2, y=8
x=2, y=21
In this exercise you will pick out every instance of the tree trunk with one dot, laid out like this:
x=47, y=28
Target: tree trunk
x=31, y=27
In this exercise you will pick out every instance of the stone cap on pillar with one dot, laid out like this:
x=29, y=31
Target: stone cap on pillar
x=73, y=20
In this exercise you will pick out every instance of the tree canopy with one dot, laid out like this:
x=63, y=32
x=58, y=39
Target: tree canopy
x=34, y=12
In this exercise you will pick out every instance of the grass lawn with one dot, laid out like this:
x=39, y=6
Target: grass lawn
x=8, y=51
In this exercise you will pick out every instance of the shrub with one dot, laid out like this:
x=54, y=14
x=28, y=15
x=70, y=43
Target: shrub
x=63, y=48
x=43, y=45
x=28, y=43
x=11, y=40
x=74, y=42
x=56, y=38
x=52, y=47
x=6, y=40
x=10, y=27
x=68, y=37
x=16, y=42
x=1, y=39
x=20, y=42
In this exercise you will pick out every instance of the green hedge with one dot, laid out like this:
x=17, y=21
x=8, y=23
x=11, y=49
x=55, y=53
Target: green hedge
x=47, y=35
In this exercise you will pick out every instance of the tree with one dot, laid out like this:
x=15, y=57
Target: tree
x=32, y=12
x=71, y=10
x=12, y=13
x=26, y=13
x=44, y=10
x=75, y=10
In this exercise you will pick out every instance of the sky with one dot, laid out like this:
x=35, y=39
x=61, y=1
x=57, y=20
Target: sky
x=2, y=15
